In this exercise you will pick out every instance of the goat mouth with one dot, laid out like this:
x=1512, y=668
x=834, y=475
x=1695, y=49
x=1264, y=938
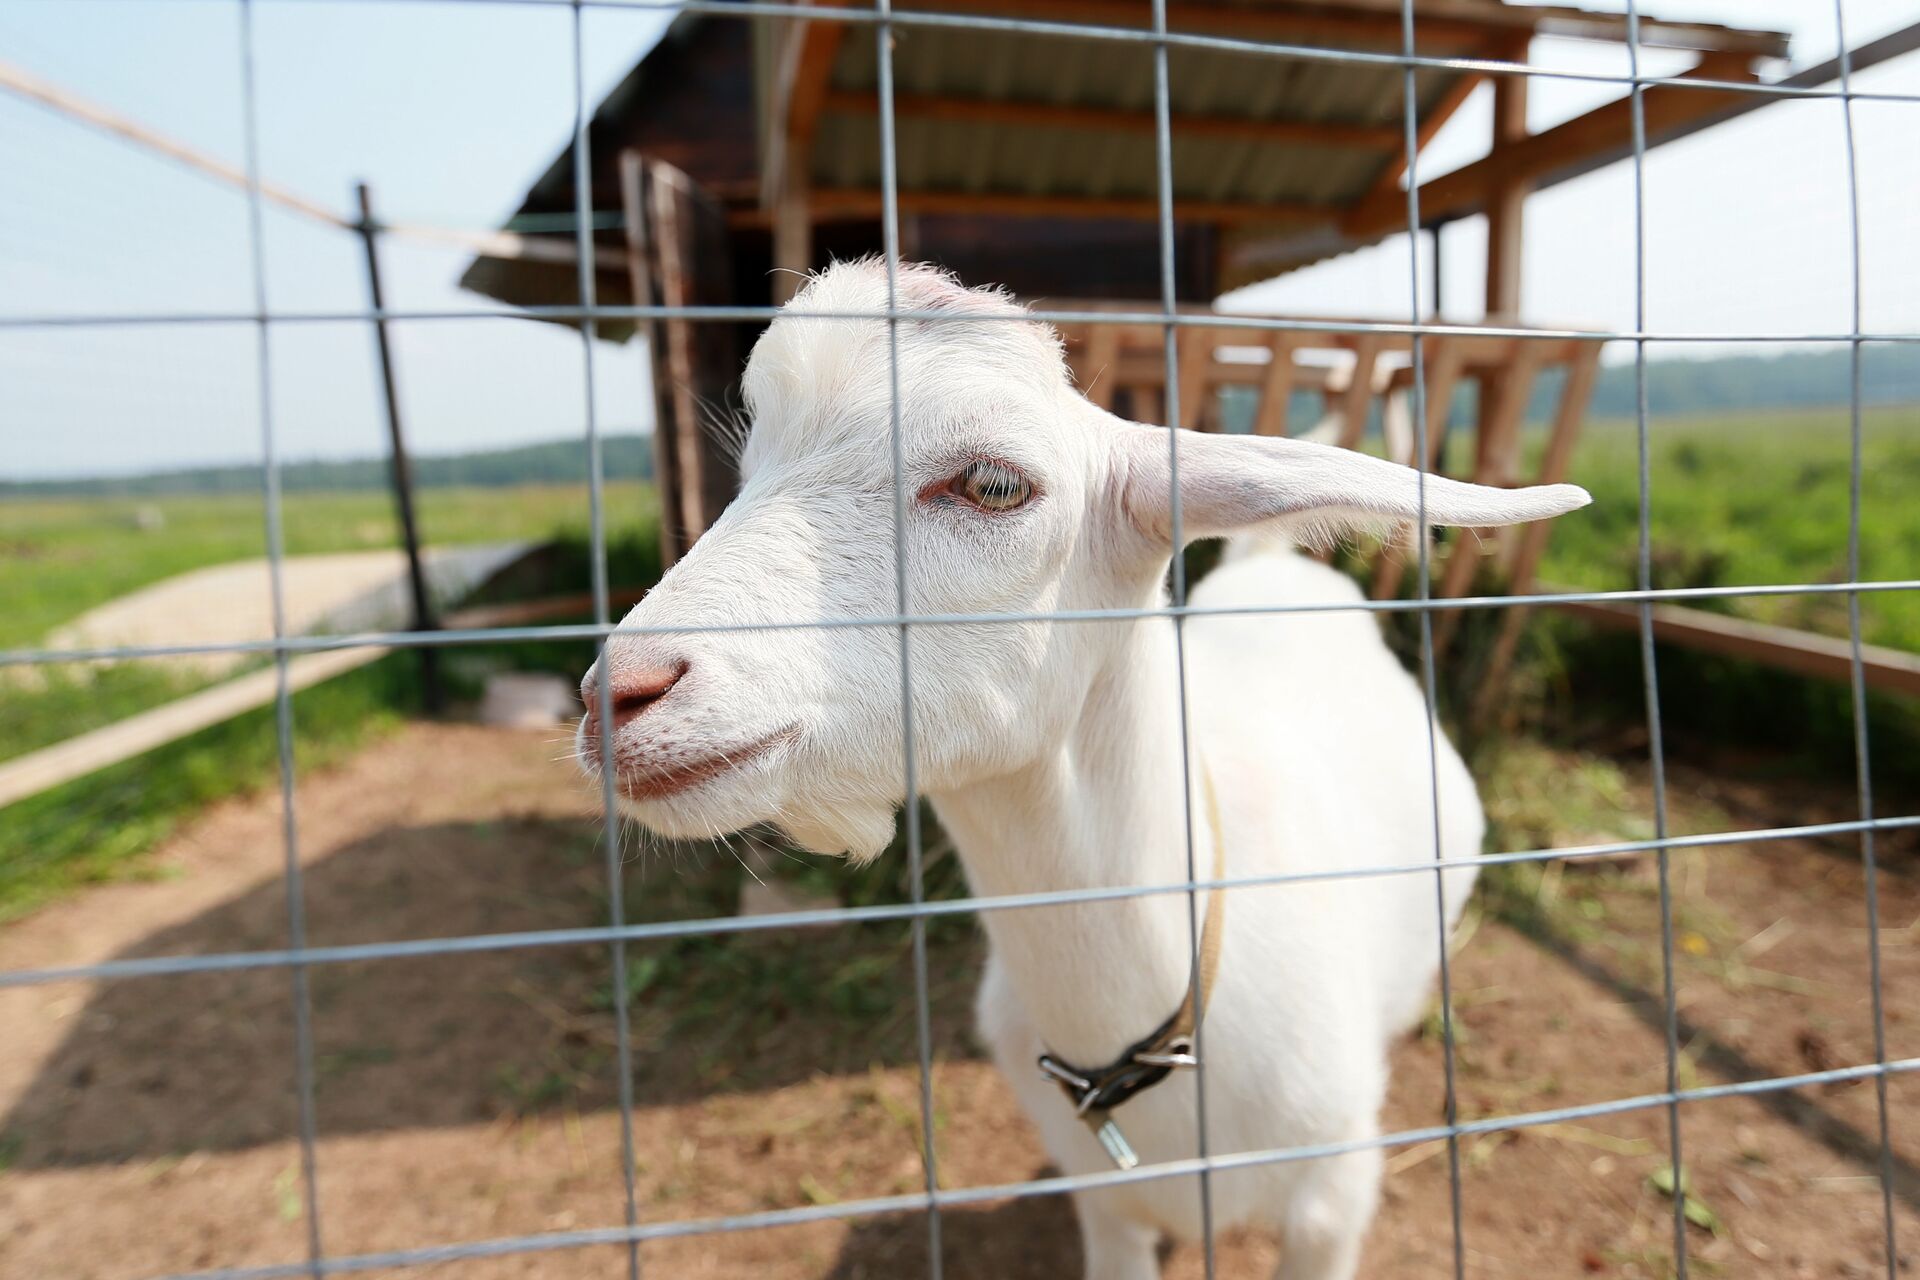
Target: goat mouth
x=673, y=777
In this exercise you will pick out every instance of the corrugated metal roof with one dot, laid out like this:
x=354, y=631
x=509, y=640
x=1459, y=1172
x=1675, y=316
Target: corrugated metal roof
x=703, y=99
x=1112, y=160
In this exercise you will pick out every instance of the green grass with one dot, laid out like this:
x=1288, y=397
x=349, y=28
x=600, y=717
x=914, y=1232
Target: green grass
x=1750, y=499
x=61, y=557
x=56, y=703
x=66, y=556
x=1738, y=499
x=96, y=828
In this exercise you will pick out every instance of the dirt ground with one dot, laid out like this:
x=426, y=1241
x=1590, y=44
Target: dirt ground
x=146, y=1126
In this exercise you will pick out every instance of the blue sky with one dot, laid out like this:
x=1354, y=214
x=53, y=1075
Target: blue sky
x=450, y=110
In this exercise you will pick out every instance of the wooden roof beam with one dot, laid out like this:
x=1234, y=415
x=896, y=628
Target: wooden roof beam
x=1510, y=47
x=1570, y=22
x=1375, y=24
x=800, y=91
x=1071, y=116
x=1334, y=26
x=841, y=204
x=1466, y=190
x=803, y=77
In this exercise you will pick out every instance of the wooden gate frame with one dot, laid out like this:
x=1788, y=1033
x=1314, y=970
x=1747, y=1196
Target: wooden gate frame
x=670, y=225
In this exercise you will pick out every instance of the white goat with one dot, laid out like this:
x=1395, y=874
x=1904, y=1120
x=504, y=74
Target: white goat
x=1051, y=749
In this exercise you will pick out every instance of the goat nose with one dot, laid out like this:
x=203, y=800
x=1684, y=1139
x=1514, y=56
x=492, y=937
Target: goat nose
x=631, y=689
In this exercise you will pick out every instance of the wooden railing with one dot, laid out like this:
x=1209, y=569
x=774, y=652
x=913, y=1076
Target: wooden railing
x=1361, y=376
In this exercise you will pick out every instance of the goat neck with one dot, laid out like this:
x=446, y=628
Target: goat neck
x=1103, y=811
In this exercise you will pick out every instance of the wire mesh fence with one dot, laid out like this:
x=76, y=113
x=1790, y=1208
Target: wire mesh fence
x=300, y=960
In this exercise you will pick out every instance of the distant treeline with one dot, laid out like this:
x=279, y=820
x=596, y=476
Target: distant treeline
x=623, y=457
x=1889, y=374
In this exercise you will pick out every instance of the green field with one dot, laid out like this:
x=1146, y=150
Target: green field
x=64, y=556
x=68, y=555
x=1754, y=498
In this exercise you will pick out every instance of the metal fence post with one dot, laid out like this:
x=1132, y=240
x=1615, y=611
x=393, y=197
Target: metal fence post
x=432, y=692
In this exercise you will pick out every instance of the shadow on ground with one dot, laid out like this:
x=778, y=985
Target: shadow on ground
x=156, y=1067
x=1035, y=1236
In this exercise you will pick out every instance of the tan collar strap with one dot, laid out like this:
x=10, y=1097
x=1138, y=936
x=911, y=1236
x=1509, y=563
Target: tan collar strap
x=1095, y=1092
x=1186, y=1019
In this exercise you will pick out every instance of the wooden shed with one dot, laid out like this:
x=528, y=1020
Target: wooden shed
x=739, y=145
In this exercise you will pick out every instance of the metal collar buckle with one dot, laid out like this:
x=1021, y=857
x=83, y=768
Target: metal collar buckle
x=1094, y=1094
x=1178, y=1053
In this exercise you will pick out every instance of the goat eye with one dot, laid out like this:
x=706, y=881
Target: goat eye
x=992, y=486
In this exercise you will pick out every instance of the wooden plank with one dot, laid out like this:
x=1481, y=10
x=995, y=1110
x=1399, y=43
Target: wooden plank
x=1532, y=538
x=77, y=757
x=678, y=416
x=1357, y=400
x=1496, y=454
x=1387, y=183
x=1562, y=436
x=1196, y=361
x=1146, y=404
x=1276, y=388
x=792, y=237
x=694, y=363
x=1102, y=353
x=1443, y=363
x=1319, y=27
x=801, y=83
x=1075, y=116
x=633, y=221
x=1782, y=648
x=1585, y=24
x=1466, y=190
x=804, y=81
x=1506, y=203
x=860, y=203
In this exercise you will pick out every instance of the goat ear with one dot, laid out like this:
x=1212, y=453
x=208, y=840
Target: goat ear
x=1312, y=491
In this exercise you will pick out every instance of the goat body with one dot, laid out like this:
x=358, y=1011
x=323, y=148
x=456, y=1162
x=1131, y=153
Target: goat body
x=1051, y=749
x=1317, y=742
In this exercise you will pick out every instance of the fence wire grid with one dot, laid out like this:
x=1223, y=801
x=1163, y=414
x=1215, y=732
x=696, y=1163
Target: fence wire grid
x=880, y=22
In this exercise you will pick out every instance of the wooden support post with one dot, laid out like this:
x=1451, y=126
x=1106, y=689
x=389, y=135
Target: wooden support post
x=792, y=234
x=1443, y=374
x=1506, y=201
x=666, y=468
x=1356, y=402
x=802, y=83
x=1196, y=361
x=1567, y=419
x=1276, y=389
x=432, y=693
x=1506, y=204
x=1148, y=404
x=1100, y=362
x=1497, y=447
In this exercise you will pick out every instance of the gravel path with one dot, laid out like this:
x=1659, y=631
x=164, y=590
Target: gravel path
x=349, y=591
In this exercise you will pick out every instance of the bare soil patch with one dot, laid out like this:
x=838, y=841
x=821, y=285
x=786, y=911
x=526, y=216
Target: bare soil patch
x=147, y=1126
